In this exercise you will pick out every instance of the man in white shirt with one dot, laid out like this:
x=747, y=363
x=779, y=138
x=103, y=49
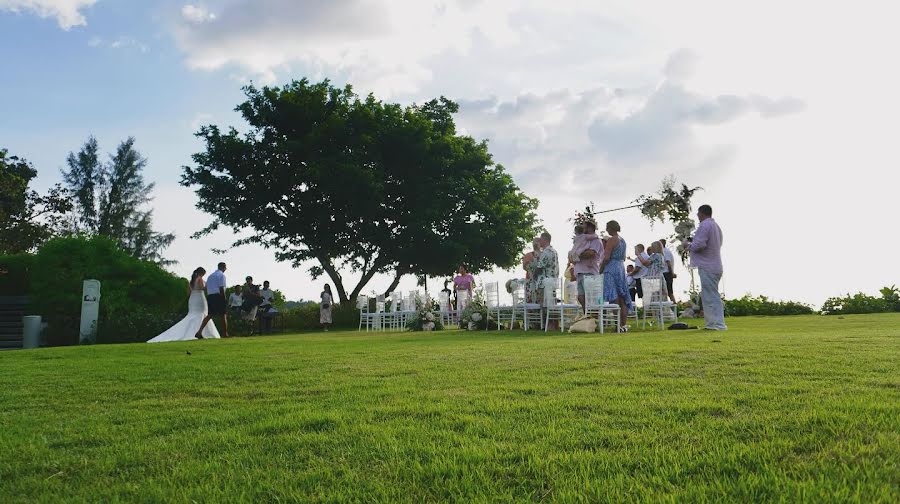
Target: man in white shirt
x=236, y=301
x=215, y=298
x=641, y=262
x=669, y=272
x=266, y=310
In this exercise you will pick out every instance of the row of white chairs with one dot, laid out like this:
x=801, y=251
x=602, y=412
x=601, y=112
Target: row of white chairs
x=656, y=306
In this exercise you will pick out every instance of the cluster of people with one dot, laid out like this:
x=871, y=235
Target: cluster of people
x=248, y=302
x=595, y=254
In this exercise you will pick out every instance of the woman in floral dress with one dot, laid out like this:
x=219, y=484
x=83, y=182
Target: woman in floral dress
x=615, y=287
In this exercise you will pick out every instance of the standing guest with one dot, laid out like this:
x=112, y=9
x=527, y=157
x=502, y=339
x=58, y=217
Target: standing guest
x=547, y=267
x=706, y=256
x=446, y=291
x=657, y=262
x=669, y=273
x=235, y=301
x=615, y=289
x=528, y=263
x=641, y=268
x=325, y=307
x=266, y=311
x=215, y=299
x=252, y=300
x=631, y=282
x=463, y=284
x=587, y=253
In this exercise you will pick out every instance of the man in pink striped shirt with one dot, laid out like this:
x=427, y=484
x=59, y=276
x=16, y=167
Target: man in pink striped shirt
x=706, y=248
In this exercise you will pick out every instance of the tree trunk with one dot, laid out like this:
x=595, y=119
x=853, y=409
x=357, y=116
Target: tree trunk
x=397, y=276
x=336, y=279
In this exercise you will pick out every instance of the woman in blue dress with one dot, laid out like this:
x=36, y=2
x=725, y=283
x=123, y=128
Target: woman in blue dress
x=615, y=287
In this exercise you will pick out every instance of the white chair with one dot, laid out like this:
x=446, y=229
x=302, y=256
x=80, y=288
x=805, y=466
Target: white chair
x=492, y=301
x=365, y=316
x=410, y=306
x=378, y=320
x=463, y=298
x=556, y=310
x=392, y=318
x=657, y=306
x=606, y=313
x=528, y=313
x=446, y=313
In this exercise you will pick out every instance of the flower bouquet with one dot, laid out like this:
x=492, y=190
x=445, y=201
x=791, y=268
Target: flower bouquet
x=475, y=316
x=424, y=319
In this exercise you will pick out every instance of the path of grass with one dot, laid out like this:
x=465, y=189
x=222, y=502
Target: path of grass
x=793, y=409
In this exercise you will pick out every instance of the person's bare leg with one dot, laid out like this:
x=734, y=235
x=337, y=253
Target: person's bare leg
x=206, y=320
x=623, y=311
x=581, y=299
x=225, y=325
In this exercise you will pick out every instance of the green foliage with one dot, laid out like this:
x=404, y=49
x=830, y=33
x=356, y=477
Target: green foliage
x=779, y=409
x=132, y=291
x=110, y=199
x=761, y=305
x=375, y=187
x=27, y=219
x=864, y=303
x=15, y=274
x=306, y=317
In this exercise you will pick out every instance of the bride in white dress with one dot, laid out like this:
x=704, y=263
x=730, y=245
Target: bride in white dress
x=197, y=310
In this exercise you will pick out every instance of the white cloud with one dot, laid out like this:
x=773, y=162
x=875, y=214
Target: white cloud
x=122, y=42
x=196, y=14
x=67, y=12
x=379, y=45
x=606, y=140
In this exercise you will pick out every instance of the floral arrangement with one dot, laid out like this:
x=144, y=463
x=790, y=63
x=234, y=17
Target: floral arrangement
x=582, y=217
x=424, y=319
x=683, y=232
x=475, y=316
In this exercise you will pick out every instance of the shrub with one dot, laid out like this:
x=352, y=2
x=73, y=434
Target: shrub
x=138, y=298
x=306, y=317
x=15, y=278
x=863, y=303
x=761, y=305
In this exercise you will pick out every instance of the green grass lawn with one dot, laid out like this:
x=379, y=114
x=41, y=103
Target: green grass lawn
x=790, y=409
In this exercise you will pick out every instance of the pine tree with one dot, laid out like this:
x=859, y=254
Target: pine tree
x=84, y=176
x=111, y=197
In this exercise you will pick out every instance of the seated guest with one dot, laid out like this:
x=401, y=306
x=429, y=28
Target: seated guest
x=235, y=301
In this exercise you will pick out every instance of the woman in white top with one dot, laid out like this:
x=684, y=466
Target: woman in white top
x=186, y=329
x=325, y=307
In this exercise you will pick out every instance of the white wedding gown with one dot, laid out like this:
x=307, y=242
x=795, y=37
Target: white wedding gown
x=187, y=327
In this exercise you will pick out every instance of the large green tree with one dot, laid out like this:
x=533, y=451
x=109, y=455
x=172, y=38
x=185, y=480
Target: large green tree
x=355, y=183
x=112, y=199
x=27, y=219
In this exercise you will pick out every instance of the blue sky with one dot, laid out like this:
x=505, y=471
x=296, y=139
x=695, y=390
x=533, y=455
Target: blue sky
x=761, y=104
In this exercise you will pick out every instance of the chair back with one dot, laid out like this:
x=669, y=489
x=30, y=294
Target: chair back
x=362, y=303
x=444, y=301
x=654, y=289
x=550, y=286
x=593, y=291
x=396, y=301
x=491, y=295
x=412, y=300
x=379, y=303
x=518, y=293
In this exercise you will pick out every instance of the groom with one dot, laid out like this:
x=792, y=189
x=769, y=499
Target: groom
x=215, y=298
